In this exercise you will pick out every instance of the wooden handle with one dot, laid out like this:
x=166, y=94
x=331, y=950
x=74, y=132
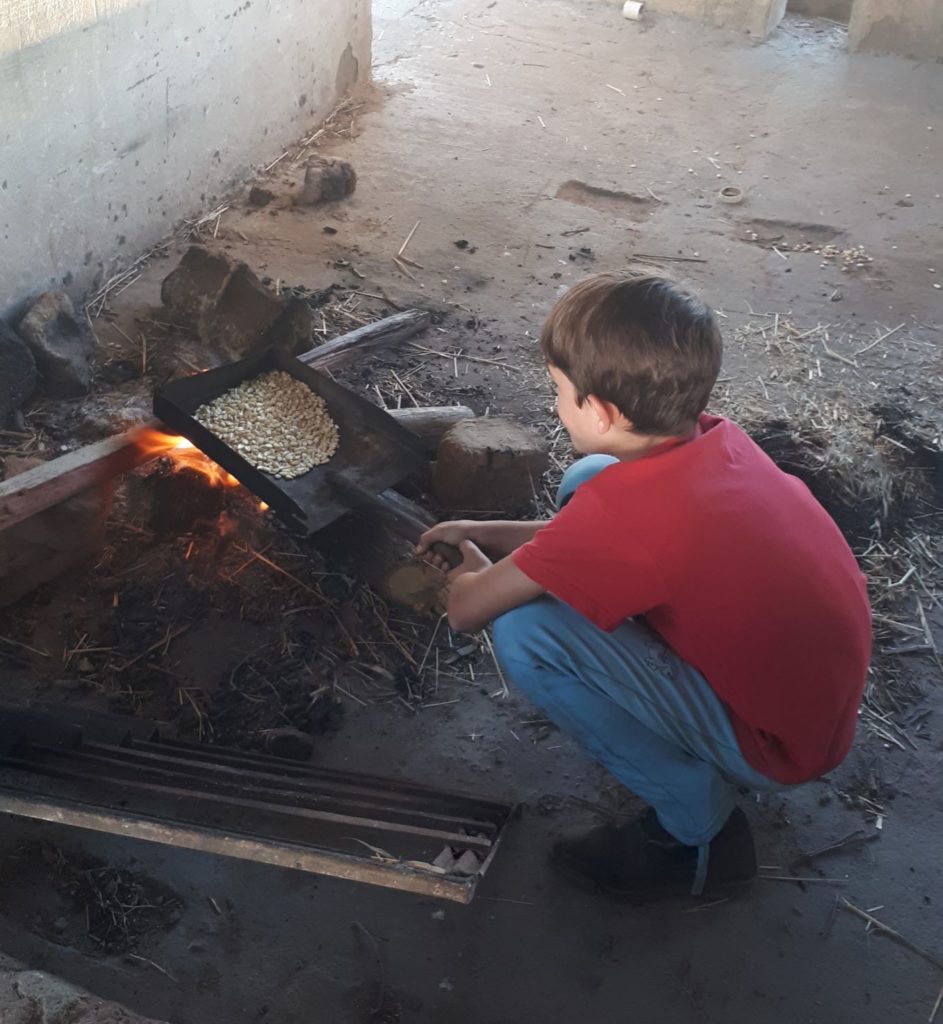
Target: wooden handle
x=450, y=553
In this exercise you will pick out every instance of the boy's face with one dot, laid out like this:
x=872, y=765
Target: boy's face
x=581, y=421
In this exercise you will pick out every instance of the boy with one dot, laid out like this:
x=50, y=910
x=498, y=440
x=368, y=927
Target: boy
x=691, y=616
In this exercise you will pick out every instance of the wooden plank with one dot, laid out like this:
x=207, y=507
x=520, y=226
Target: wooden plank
x=185, y=836
x=37, y=489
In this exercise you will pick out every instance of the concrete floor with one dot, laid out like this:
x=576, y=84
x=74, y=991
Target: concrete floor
x=487, y=111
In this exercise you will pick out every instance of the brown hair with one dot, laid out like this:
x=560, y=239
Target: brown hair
x=641, y=342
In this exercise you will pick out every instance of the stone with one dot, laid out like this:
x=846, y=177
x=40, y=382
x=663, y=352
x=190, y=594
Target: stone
x=61, y=344
x=488, y=465
x=756, y=18
x=914, y=29
x=28, y=996
x=289, y=743
x=17, y=372
x=260, y=196
x=53, y=542
x=245, y=310
x=230, y=309
x=327, y=180
x=193, y=286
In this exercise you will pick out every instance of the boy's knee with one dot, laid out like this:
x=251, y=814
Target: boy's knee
x=582, y=470
x=528, y=630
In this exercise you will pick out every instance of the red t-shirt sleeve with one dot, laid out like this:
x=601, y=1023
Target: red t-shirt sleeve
x=574, y=559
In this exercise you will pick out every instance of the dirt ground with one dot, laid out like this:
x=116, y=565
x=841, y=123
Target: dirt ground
x=537, y=141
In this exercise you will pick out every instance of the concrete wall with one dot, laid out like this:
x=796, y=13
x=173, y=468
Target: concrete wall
x=755, y=17
x=911, y=27
x=120, y=117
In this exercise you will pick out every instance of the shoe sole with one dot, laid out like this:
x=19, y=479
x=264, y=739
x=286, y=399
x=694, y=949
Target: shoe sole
x=726, y=890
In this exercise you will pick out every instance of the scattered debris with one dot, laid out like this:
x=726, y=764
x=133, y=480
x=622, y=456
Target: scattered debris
x=110, y=907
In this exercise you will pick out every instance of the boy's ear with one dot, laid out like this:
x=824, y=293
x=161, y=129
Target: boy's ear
x=607, y=415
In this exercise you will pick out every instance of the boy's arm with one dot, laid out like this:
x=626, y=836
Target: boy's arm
x=482, y=590
x=498, y=538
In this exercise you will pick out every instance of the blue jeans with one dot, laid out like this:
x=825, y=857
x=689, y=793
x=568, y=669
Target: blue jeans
x=633, y=704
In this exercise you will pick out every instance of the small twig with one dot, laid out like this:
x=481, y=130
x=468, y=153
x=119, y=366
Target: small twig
x=157, y=967
x=667, y=259
x=652, y=194
x=401, y=266
x=936, y=1007
x=879, y=928
x=381, y=974
x=856, y=838
x=929, y=635
x=453, y=356
x=504, y=691
x=883, y=337
x=803, y=880
x=409, y=238
x=26, y=647
x=832, y=354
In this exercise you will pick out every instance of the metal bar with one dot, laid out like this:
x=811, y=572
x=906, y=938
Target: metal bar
x=239, y=759
x=324, y=817
x=407, y=878
x=281, y=791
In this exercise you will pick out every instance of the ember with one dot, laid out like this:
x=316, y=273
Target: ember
x=185, y=455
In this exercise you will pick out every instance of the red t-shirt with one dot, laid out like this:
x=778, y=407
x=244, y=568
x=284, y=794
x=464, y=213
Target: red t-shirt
x=741, y=572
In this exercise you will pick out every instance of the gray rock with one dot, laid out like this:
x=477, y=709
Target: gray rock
x=61, y=344
x=17, y=372
x=27, y=996
x=327, y=179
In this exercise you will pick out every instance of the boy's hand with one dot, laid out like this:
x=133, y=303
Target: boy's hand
x=452, y=533
x=473, y=560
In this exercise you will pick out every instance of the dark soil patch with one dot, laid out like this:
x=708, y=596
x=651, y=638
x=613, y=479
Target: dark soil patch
x=871, y=494
x=71, y=899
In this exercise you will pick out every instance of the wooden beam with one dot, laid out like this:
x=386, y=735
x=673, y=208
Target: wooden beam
x=37, y=489
x=369, y=338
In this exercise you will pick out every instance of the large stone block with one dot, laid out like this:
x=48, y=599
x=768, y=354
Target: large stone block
x=488, y=465
x=230, y=309
x=757, y=18
x=913, y=28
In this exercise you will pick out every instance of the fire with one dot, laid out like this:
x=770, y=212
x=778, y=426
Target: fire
x=184, y=455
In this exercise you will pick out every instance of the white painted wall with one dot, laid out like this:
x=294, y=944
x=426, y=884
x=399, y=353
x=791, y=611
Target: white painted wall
x=120, y=117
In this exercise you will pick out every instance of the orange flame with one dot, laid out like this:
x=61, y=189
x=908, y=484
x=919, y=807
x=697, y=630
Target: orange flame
x=184, y=455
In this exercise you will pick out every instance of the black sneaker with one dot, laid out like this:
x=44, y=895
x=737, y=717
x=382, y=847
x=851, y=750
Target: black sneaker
x=642, y=860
